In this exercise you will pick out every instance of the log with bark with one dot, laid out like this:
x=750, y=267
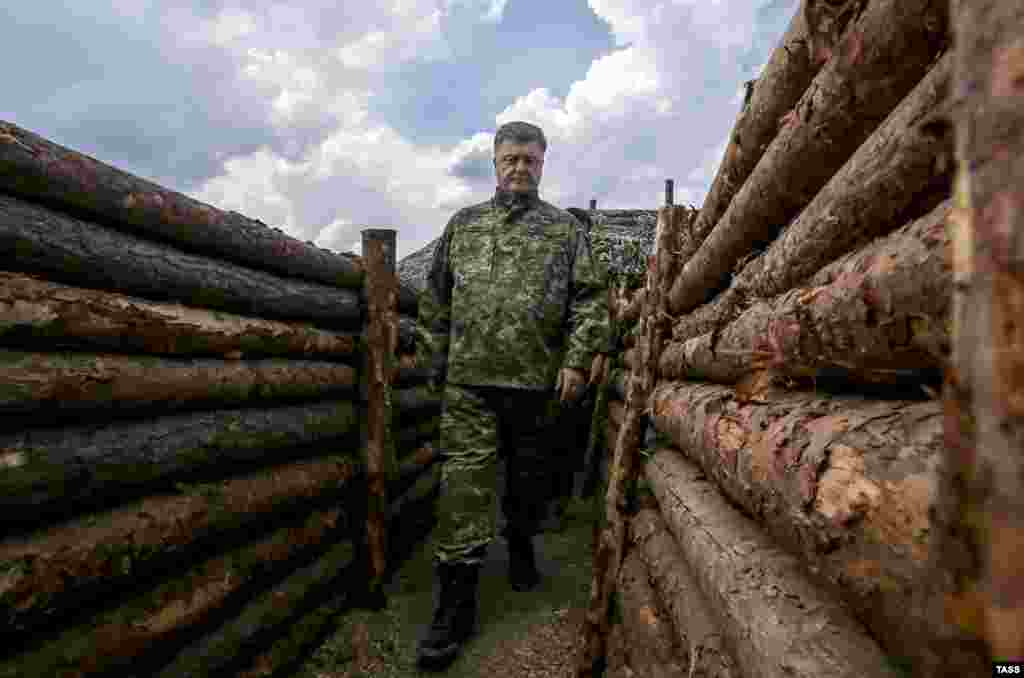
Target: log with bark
x=884, y=53
x=268, y=615
x=42, y=171
x=875, y=315
x=987, y=415
x=86, y=254
x=85, y=560
x=49, y=472
x=137, y=632
x=902, y=170
x=776, y=623
x=38, y=314
x=650, y=639
x=118, y=384
x=697, y=638
x=784, y=78
x=624, y=465
x=304, y=634
x=629, y=358
x=845, y=482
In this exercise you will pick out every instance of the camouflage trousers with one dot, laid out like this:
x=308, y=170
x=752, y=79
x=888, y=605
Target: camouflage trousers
x=480, y=425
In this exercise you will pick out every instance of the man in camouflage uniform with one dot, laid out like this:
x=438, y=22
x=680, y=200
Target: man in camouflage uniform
x=514, y=306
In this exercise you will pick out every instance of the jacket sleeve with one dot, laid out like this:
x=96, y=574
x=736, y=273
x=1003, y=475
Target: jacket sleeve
x=589, y=331
x=435, y=309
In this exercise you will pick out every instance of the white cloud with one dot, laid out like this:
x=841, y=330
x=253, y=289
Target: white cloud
x=659, y=106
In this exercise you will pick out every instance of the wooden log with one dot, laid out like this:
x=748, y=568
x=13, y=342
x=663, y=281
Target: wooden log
x=115, y=384
x=381, y=333
x=40, y=314
x=873, y=315
x=785, y=77
x=56, y=570
x=674, y=585
x=776, y=623
x=629, y=357
x=49, y=472
x=624, y=465
x=42, y=171
x=267, y=616
x=650, y=640
x=898, y=173
x=882, y=185
x=617, y=412
x=986, y=430
x=885, y=52
x=86, y=254
x=302, y=636
x=140, y=630
x=846, y=483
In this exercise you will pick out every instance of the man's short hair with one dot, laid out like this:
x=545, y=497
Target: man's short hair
x=519, y=132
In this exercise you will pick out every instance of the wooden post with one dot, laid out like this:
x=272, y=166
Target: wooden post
x=593, y=204
x=985, y=429
x=380, y=343
x=668, y=193
x=622, y=473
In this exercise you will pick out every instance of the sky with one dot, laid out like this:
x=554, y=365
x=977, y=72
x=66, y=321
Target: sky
x=325, y=117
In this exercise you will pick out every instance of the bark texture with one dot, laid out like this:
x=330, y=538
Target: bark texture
x=156, y=621
x=884, y=53
x=63, y=469
x=82, y=561
x=48, y=382
x=40, y=170
x=85, y=254
x=846, y=483
x=902, y=170
x=697, y=638
x=381, y=293
x=989, y=332
x=650, y=639
x=37, y=314
x=875, y=315
x=775, y=622
x=623, y=469
x=783, y=80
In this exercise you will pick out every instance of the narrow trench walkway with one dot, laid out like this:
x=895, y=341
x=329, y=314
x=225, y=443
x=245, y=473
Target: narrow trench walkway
x=524, y=635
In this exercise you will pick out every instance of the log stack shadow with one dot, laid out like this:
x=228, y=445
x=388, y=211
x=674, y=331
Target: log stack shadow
x=182, y=475
x=788, y=518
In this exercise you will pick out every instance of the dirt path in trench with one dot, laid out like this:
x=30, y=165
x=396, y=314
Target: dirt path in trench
x=522, y=635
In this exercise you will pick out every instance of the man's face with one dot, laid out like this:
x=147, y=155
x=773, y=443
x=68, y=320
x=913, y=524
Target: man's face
x=518, y=166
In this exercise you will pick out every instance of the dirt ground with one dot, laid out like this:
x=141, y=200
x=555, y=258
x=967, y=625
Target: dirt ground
x=522, y=635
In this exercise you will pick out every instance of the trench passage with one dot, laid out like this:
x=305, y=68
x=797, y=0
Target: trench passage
x=520, y=634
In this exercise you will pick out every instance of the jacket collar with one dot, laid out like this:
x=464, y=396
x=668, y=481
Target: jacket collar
x=510, y=199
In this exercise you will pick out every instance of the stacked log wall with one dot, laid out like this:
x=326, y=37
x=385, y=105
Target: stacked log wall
x=182, y=473
x=795, y=462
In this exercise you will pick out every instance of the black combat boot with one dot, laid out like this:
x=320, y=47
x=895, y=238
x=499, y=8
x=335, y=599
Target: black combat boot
x=454, y=617
x=522, y=562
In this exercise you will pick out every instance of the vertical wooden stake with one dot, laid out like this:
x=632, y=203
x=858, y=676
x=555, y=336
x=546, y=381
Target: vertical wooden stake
x=593, y=204
x=610, y=547
x=669, y=200
x=381, y=341
x=988, y=429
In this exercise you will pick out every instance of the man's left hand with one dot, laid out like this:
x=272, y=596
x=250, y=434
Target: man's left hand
x=570, y=384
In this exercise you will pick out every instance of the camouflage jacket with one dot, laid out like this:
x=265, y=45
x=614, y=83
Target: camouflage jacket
x=513, y=294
